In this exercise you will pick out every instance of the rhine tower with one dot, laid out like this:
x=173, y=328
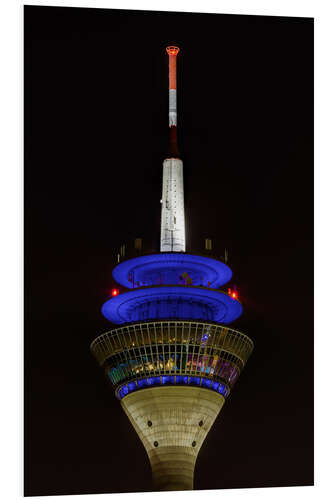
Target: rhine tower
x=172, y=361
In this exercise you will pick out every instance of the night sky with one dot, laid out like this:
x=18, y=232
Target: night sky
x=96, y=134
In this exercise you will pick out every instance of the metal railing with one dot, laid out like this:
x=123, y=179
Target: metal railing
x=172, y=347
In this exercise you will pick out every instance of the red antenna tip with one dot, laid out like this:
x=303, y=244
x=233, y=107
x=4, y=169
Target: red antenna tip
x=172, y=50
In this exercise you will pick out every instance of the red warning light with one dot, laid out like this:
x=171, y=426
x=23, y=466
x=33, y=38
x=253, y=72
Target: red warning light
x=232, y=293
x=114, y=292
x=172, y=50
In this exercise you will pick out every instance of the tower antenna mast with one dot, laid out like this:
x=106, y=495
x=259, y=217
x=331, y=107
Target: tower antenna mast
x=172, y=213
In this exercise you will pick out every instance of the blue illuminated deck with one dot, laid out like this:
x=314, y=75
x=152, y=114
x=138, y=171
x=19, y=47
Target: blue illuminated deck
x=172, y=302
x=168, y=268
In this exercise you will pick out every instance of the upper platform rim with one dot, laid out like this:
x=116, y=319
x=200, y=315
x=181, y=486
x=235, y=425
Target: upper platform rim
x=214, y=270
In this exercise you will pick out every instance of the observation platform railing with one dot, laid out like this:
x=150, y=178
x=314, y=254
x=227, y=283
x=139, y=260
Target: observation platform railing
x=172, y=348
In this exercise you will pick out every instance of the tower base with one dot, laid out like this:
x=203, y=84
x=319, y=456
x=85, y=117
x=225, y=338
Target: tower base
x=172, y=423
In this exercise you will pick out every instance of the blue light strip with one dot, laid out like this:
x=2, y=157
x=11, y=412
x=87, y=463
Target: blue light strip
x=125, y=389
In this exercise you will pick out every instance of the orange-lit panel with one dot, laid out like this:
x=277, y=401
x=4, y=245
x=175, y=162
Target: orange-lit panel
x=172, y=50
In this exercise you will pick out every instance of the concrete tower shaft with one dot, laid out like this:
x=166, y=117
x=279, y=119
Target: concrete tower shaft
x=172, y=423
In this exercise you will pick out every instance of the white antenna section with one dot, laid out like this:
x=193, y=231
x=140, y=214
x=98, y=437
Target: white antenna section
x=173, y=217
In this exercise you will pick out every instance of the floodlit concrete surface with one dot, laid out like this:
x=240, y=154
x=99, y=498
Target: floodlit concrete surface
x=172, y=423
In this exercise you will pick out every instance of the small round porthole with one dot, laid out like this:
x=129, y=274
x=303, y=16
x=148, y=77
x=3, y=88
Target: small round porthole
x=194, y=443
x=155, y=444
x=200, y=423
x=149, y=423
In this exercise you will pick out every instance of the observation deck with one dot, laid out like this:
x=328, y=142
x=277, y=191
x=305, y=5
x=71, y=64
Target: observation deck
x=172, y=301
x=168, y=268
x=172, y=286
x=173, y=334
x=155, y=353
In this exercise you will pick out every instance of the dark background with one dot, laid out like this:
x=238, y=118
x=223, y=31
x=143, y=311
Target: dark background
x=96, y=133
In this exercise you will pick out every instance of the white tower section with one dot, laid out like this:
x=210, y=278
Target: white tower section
x=173, y=216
